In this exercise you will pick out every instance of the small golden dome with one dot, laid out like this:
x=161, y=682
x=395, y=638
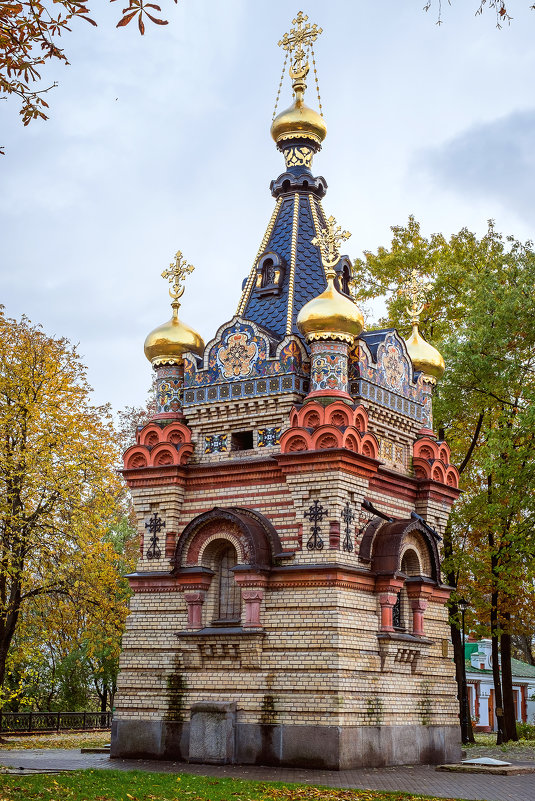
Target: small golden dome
x=168, y=343
x=299, y=121
x=425, y=358
x=330, y=315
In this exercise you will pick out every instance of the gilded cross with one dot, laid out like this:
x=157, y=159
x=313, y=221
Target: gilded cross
x=413, y=290
x=328, y=240
x=299, y=38
x=178, y=269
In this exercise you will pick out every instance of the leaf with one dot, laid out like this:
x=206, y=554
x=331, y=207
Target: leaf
x=156, y=20
x=141, y=25
x=126, y=19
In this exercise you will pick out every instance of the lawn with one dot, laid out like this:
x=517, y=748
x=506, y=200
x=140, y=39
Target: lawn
x=115, y=785
x=62, y=739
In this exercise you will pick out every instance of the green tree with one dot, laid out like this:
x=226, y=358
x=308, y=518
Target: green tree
x=481, y=315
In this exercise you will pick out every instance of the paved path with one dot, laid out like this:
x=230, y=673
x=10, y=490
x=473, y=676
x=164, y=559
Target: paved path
x=418, y=779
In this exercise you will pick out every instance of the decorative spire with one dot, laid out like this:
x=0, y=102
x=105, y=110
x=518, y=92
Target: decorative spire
x=328, y=240
x=299, y=122
x=425, y=358
x=297, y=43
x=168, y=343
x=178, y=269
x=414, y=291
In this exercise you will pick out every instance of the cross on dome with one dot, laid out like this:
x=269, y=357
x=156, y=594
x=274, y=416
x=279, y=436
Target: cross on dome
x=297, y=40
x=328, y=240
x=178, y=269
x=413, y=290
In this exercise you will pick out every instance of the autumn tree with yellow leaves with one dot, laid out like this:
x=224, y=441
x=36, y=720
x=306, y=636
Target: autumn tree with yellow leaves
x=59, y=495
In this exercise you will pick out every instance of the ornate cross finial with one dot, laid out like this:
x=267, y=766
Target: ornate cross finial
x=178, y=269
x=413, y=290
x=328, y=240
x=297, y=42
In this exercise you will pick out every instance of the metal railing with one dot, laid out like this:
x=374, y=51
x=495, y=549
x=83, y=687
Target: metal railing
x=32, y=722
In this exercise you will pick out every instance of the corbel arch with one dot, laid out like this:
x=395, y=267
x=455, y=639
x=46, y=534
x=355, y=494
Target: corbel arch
x=255, y=538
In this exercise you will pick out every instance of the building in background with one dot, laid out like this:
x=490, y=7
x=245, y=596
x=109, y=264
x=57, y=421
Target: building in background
x=290, y=492
x=480, y=686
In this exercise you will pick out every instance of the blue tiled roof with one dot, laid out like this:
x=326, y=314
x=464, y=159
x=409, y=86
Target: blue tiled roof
x=374, y=338
x=271, y=311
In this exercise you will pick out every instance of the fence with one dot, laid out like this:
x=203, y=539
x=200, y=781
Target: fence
x=32, y=722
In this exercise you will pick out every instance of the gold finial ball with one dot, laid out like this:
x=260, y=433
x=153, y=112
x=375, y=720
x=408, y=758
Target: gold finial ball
x=330, y=315
x=168, y=343
x=299, y=122
x=425, y=358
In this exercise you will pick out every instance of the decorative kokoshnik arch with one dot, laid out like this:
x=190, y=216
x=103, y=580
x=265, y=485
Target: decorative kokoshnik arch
x=211, y=537
x=404, y=557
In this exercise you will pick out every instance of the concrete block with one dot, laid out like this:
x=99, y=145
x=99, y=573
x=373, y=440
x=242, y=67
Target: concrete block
x=212, y=733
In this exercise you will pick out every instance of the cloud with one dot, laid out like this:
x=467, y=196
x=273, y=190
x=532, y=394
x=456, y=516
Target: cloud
x=491, y=160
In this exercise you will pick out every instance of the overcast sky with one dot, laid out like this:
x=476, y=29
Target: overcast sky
x=161, y=142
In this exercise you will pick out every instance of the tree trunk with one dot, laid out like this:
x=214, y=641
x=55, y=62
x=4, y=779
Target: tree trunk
x=523, y=646
x=104, y=699
x=467, y=734
x=509, y=718
x=496, y=670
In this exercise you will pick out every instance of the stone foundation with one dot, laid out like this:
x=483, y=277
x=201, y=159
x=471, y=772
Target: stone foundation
x=213, y=737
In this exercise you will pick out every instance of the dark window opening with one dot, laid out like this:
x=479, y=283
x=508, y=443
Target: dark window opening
x=242, y=441
x=345, y=278
x=397, y=619
x=228, y=609
x=268, y=272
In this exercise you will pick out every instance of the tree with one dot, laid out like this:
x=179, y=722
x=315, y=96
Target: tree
x=481, y=315
x=58, y=485
x=500, y=8
x=30, y=33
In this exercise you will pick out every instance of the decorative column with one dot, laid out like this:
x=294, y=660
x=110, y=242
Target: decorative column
x=169, y=381
x=426, y=386
x=194, y=601
x=252, y=584
x=328, y=369
x=388, y=589
x=418, y=606
x=195, y=584
x=418, y=591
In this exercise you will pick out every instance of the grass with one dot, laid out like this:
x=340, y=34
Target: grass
x=115, y=785
x=485, y=745
x=86, y=739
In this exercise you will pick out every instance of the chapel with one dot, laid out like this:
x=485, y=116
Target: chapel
x=287, y=606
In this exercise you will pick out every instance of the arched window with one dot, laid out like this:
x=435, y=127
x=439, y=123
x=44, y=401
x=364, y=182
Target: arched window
x=268, y=272
x=228, y=606
x=345, y=279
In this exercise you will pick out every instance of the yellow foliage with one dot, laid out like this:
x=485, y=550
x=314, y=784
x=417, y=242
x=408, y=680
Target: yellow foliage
x=59, y=491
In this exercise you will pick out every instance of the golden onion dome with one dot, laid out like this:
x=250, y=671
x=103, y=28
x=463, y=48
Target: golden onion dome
x=425, y=358
x=169, y=342
x=299, y=122
x=330, y=315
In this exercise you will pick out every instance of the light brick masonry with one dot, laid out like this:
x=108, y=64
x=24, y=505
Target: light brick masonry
x=287, y=605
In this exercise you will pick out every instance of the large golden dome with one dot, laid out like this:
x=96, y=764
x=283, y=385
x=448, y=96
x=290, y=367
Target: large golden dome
x=168, y=343
x=330, y=315
x=425, y=358
x=299, y=122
